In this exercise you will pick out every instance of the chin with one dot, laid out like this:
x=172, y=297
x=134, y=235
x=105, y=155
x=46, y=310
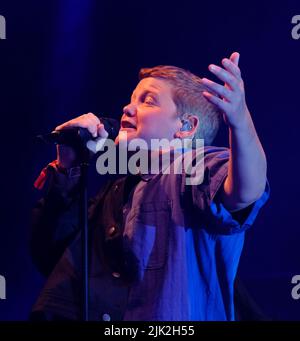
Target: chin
x=126, y=135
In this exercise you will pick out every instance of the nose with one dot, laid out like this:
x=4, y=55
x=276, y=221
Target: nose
x=129, y=110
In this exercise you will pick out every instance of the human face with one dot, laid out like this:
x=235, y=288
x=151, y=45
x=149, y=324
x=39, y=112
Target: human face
x=151, y=113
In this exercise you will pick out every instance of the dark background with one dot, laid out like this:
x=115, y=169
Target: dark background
x=65, y=58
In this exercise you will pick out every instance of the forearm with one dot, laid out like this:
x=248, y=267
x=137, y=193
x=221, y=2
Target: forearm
x=247, y=168
x=246, y=178
x=54, y=223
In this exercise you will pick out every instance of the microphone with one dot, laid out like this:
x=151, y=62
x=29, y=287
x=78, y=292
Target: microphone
x=77, y=136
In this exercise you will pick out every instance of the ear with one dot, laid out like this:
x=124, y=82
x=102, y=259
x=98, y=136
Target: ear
x=192, y=122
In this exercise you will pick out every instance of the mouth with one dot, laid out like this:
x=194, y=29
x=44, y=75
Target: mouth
x=127, y=125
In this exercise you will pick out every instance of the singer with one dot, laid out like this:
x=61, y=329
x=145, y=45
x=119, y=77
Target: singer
x=160, y=250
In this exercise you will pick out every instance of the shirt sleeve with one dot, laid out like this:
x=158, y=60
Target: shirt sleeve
x=219, y=220
x=215, y=217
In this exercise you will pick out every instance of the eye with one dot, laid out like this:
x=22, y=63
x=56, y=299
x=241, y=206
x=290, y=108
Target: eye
x=149, y=100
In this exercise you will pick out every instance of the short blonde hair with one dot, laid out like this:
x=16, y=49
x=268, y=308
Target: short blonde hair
x=187, y=90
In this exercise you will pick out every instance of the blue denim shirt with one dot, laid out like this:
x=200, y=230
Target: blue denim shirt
x=170, y=253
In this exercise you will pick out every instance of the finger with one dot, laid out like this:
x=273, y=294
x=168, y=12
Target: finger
x=101, y=131
x=92, y=123
x=235, y=58
x=60, y=127
x=88, y=121
x=222, y=105
x=92, y=117
x=231, y=67
x=93, y=130
x=218, y=89
x=70, y=123
x=224, y=76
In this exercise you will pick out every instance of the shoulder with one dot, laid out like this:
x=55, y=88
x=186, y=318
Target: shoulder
x=216, y=158
x=208, y=160
x=218, y=153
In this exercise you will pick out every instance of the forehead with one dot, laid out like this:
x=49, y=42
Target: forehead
x=158, y=86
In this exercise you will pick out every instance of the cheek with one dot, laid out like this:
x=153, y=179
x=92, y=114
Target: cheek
x=158, y=125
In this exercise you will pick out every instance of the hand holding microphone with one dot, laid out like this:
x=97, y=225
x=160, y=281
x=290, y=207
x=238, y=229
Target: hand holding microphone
x=90, y=129
x=73, y=139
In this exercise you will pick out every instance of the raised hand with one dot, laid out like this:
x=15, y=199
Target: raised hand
x=230, y=97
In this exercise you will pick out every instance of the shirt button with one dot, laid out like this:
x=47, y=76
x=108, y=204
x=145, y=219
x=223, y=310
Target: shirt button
x=105, y=317
x=116, y=188
x=112, y=230
x=116, y=275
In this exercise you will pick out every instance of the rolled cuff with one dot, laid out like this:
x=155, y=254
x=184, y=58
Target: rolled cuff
x=221, y=221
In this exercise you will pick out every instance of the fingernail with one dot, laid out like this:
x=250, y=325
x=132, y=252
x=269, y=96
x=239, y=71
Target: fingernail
x=212, y=67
